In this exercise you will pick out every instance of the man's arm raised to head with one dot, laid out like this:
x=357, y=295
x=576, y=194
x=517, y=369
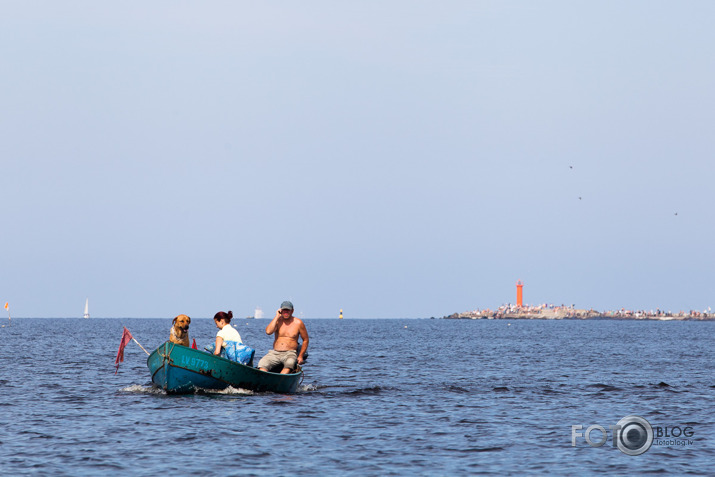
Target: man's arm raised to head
x=273, y=325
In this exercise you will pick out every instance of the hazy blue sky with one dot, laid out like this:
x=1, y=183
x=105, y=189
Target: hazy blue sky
x=393, y=159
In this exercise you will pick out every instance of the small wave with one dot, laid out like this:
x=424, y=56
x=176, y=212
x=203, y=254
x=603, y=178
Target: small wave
x=667, y=387
x=471, y=421
x=501, y=389
x=479, y=449
x=259, y=455
x=457, y=389
x=369, y=391
x=604, y=387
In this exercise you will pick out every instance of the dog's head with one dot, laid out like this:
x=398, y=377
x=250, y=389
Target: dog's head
x=182, y=323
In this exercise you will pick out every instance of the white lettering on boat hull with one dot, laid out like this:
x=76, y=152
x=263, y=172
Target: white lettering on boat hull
x=195, y=362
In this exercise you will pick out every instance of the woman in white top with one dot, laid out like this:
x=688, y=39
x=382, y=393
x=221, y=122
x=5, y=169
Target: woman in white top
x=226, y=333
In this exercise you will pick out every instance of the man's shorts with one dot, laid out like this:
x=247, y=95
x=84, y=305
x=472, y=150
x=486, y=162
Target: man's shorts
x=286, y=359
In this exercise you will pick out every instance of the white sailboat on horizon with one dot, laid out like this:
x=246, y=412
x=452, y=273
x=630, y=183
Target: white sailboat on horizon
x=86, y=308
x=258, y=313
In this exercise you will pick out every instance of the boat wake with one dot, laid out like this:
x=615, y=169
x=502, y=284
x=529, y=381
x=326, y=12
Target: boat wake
x=229, y=391
x=151, y=389
x=308, y=387
x=139, y=389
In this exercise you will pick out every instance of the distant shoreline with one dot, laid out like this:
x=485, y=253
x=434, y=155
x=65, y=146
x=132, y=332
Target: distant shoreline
x=508, y=312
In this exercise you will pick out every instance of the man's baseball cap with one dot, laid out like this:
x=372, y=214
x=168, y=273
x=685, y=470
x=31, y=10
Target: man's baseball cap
x=286, y=305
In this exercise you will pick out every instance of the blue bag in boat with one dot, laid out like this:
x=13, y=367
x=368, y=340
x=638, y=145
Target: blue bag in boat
x=239, y=352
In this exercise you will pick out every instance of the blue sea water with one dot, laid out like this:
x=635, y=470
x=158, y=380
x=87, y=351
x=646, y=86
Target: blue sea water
x=380, y=397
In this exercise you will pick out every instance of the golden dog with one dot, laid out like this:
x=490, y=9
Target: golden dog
x=180, y=330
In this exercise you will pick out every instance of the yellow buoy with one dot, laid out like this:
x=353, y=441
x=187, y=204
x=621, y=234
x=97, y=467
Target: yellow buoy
x=341, y=314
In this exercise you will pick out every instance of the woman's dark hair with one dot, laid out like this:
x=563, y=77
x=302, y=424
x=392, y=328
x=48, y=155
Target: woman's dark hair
x=223, y=316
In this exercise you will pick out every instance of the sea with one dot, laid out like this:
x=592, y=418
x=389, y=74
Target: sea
x=379, y=397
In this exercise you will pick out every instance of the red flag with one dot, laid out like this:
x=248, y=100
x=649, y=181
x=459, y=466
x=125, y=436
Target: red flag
x=126, y=337
x=193, y=345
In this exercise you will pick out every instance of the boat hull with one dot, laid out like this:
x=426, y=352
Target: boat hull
x=180, y=370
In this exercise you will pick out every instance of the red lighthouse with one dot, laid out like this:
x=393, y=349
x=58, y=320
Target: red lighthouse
x=519, y=293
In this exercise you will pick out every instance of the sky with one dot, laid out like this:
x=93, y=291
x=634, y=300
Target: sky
x=398, y=159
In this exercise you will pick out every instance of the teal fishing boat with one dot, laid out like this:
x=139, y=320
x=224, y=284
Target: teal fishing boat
x=180, y=370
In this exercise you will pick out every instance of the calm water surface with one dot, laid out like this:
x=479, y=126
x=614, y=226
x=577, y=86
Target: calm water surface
x=380, y=397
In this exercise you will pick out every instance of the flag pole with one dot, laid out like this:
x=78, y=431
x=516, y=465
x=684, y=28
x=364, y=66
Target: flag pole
x=8, y=313
x=140, y=345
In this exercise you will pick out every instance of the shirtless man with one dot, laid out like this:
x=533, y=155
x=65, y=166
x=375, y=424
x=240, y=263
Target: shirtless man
x=286, y=328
